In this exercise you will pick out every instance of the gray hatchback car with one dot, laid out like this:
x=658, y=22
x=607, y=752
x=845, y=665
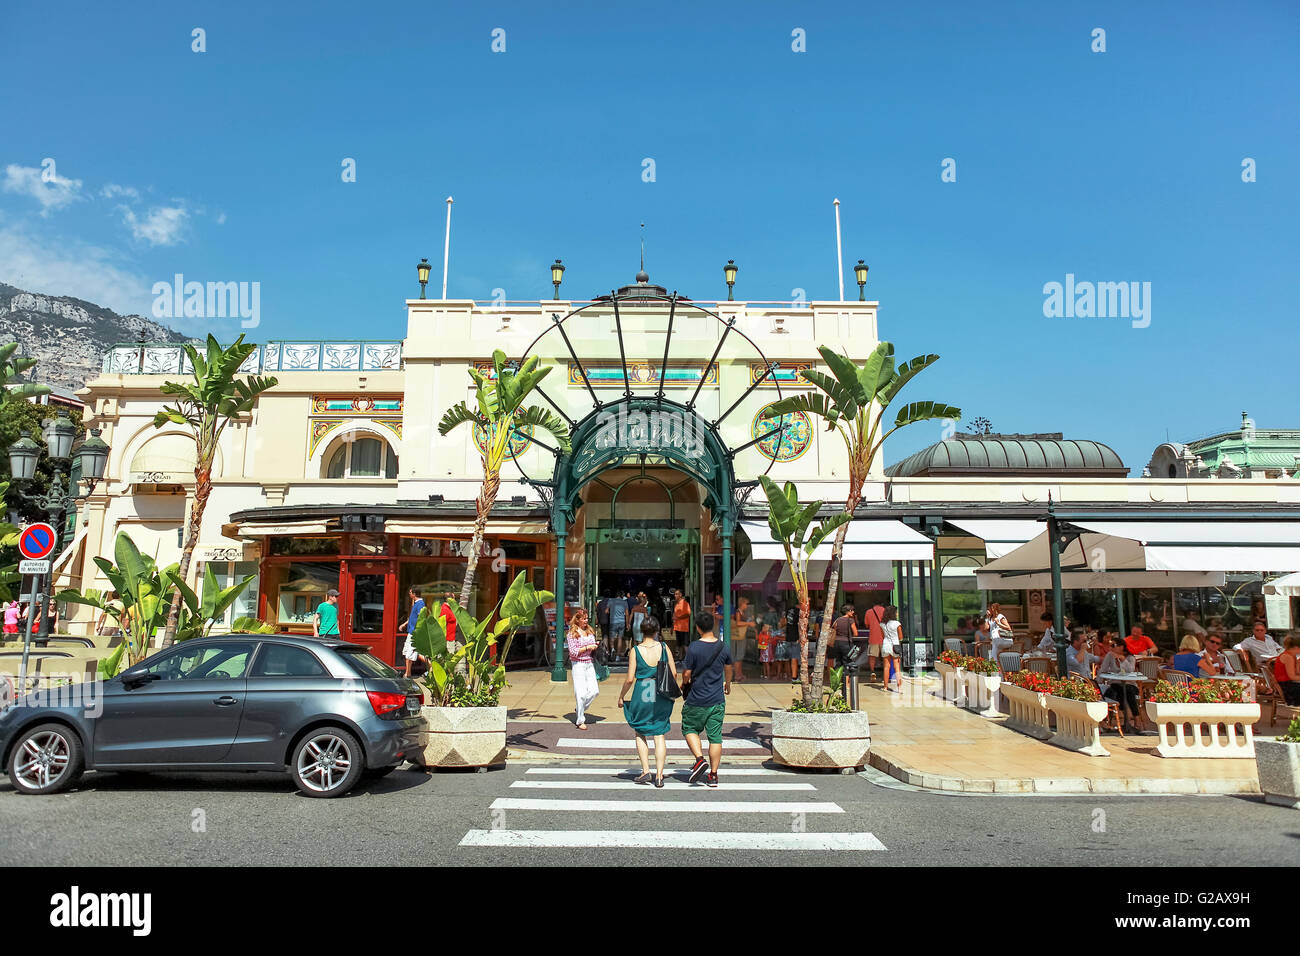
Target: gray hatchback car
x=326, y=711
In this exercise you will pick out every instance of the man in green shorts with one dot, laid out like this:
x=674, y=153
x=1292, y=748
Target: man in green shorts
x=325, y=623
x=707, y=669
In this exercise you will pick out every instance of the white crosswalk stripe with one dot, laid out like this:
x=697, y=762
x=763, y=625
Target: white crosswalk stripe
x=595, y=743
x=559, y=795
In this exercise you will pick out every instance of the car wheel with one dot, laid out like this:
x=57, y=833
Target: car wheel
x=378, y=772
x=327, y=762
x=46, y=759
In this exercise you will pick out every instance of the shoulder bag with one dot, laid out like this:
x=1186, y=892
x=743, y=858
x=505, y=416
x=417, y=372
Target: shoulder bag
x=665, y=682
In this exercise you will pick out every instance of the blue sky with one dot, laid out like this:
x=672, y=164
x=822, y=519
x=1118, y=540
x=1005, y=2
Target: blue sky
x=1117, y=166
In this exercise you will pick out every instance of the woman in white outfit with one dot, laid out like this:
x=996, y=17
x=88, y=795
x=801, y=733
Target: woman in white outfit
x=581, y=641
x=891, y=637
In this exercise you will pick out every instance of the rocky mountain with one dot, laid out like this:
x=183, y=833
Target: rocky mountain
x=68, y=337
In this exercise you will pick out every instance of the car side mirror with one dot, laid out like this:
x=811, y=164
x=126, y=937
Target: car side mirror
x=132, y=681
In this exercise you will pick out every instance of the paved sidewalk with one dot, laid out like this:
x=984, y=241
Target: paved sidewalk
x=915, y=736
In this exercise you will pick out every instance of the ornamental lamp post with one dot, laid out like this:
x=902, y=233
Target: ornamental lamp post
x=58, y=434
x=729, y=272
x=557, y=276
x=22, y=457
x=422, y=270
x=860, y=273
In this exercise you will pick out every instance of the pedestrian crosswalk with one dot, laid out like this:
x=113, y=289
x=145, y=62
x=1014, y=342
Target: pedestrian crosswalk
x=782, y=808
x=626, y=743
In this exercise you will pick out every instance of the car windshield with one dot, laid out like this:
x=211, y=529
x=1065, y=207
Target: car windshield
x=364, y=663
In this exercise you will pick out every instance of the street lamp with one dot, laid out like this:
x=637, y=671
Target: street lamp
x=729, y=271
x=860, y=272
x=557, y=276
x=92, y=456
x=422, y=270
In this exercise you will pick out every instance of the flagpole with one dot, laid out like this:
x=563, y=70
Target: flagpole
x=839, y=250
x=446, y=253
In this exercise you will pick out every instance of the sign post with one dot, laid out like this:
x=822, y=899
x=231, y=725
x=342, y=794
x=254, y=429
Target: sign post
x=35, y=543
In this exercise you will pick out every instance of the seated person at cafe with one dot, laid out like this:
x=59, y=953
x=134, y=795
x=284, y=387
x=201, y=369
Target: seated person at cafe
x=1138, y=643
x=1048, y=643
x=1078, y=661
x=1120, y=661
x=1260, y=645
x=1188, y=657
x=1286, y=669
x=1212, y=661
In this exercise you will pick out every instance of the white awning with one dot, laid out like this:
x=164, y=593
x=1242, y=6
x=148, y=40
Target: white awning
x=752, y=573
x=867, y=575
x=1000, y=535
x=438, y=527
x=1152, y=554
x=257, y=528
x=868, y=539
x=1286, y=586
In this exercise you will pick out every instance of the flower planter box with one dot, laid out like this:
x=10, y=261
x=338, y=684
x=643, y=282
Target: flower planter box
x=1204, y=730
x=954, y=686
x=1078, y=725
x=463, y=736
x=982, y=693
x=1027, y=711
x=1279, y=771
x=820, y=740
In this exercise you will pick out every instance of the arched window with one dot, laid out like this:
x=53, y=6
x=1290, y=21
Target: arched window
x=361, y=458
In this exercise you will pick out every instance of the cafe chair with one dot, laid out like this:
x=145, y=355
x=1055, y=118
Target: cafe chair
x=1149, y=667
x=1008, y=663
x=1113, y=711
x=955, y=645
x=1039, y=665
x=1274, y=698
x=1175, y=677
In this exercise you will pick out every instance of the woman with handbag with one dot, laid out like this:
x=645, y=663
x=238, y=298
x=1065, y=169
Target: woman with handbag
x=648, y=711
x=581, y=641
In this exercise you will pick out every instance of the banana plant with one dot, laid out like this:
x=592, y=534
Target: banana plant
x=473, y=674
x=500, y=411
x=789, y=522
x=852, y=401
x=205, y=611
x=140, y=608
x=10, y=369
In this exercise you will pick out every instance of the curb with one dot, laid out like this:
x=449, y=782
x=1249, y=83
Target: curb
x=1064, y=786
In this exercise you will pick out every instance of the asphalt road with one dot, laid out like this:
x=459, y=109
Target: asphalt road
x=410, y=817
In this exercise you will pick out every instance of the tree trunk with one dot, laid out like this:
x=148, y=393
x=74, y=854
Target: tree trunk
x=832, y=587
x=487, y=497
x=804, y=686
x=202, y=490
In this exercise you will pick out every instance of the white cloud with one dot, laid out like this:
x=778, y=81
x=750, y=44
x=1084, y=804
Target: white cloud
x=71, y=268
x=113, y=191
x=161, y=226
x=44, y=185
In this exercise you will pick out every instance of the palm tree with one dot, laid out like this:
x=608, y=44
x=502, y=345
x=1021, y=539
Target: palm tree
x=789, y=521
x=215, y=398
x=500, y=411
x=852, y=401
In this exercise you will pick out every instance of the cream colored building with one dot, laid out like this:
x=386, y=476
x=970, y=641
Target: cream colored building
x=340, y=478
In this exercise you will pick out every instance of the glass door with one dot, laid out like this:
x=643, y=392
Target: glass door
x=369, y=601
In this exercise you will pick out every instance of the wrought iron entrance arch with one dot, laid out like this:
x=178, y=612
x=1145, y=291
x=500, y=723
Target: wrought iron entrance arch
x=644, y=422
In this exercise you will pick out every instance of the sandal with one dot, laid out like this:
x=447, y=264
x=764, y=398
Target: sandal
x=643, y=777
x=659, y=783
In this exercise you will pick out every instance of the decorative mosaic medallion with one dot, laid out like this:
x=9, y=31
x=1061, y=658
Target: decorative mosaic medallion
x=794, y=439
x=519, y=442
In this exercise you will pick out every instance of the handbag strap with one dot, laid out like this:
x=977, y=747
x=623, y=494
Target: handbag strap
x=716, y=653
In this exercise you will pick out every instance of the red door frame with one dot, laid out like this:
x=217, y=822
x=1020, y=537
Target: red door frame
x=384, y=644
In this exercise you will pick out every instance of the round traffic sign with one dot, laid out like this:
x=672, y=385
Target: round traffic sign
x=36, y=541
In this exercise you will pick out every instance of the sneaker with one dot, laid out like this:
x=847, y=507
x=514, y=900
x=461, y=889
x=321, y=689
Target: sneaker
x=698, y=768
x=713, y=780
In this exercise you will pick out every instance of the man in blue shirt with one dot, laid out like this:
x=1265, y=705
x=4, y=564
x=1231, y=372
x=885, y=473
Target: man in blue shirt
x=408, y=649
x=707, y=669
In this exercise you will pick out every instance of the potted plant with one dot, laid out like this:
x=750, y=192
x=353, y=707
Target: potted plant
x=1026, y=695
x=1079, y=710
x=949, y=667
x=1278, y=762
x=982, y=679
x=1203, y=718
x=465, y=724
x=828, y=735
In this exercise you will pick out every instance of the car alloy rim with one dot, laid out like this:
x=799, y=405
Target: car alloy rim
x=324, y=763
x=43, y=759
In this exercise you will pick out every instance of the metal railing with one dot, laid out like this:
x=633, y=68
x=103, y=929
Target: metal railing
x=286, y=355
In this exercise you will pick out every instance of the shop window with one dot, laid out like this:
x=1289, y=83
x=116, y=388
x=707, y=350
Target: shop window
x=305, y=546
x=354, y=457
x=294, y=590
x=228, y=573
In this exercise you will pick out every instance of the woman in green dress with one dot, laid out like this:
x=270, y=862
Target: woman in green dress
x=649, y=714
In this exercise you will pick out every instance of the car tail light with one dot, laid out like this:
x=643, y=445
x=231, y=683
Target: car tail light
x=386, y=703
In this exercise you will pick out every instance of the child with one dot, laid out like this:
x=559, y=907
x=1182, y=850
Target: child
x=766, y=650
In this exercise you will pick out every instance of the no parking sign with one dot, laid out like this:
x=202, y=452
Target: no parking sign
x=36, y=541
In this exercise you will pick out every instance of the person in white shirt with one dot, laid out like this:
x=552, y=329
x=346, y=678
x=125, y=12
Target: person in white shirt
x=1260, y=645
x=999, y=629
x=1193, y=626
x=1212, y=661
x=1048, y=643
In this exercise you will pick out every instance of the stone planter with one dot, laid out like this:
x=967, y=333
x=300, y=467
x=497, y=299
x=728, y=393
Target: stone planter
x=1028, y=711
x=820, y=740
x=954, y=686
x=1279, y=771
x=982, y=693
x=463, y=736
x=1204, y=730
x=1078, y=725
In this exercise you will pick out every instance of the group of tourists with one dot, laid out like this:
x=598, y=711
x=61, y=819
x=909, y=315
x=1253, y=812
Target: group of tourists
x=16, y=615
x=704, y=681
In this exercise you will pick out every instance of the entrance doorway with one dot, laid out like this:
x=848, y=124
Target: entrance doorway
x=369, y=609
